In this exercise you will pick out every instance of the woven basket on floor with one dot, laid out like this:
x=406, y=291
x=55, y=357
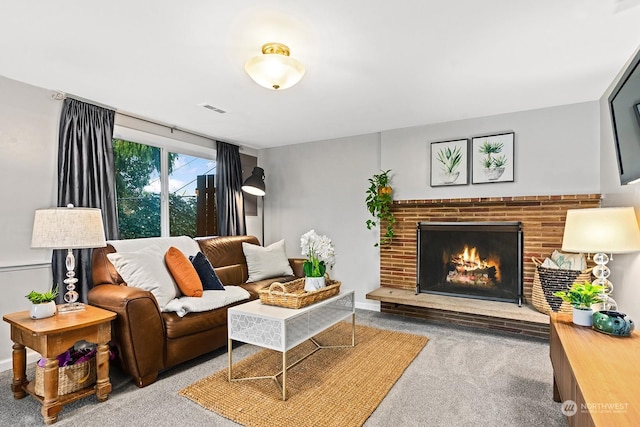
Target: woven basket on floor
x=546, y=281
x=70, y=378
x=292, y=294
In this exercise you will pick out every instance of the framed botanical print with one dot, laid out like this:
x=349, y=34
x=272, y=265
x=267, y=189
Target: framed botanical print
x=450, y=163
x=493, y=158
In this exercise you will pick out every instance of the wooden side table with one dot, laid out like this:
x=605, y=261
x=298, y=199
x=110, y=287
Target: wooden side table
x=53, y=336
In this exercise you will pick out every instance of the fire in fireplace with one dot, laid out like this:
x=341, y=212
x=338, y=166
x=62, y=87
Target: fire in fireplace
x=471, y=259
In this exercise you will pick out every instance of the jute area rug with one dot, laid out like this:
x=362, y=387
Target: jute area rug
x=333, y=387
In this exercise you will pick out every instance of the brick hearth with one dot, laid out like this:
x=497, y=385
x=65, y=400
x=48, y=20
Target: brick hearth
x=542, y=219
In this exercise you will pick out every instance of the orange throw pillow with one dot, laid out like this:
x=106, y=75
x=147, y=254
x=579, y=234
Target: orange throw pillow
x=183, y=272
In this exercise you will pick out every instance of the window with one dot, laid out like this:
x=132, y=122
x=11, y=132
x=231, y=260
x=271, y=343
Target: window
x=157, y=191
x=137, y=189
x=191, y=196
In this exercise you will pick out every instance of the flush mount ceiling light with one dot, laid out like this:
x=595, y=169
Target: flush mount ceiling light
x=274, y=69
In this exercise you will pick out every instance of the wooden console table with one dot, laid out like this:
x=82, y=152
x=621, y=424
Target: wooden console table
x=53, y=336
x=599, y=372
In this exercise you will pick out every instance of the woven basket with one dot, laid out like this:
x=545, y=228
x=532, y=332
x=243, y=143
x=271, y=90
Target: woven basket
x=70, y=378
x=292, y=294
x=546, y=281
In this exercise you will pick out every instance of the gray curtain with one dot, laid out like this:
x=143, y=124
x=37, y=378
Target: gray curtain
x=229, y=198
x=86, y=178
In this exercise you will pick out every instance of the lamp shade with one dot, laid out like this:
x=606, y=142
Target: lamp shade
x=274, y=69
x=68, y=228
x=255, y=183
x=606, y=230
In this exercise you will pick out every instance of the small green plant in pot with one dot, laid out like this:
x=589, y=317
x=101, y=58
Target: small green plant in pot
x=379, y=200
x=582, y=296
x=42, y=303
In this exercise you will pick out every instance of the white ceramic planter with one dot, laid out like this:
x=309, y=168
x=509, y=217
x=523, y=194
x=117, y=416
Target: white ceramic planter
x=313, y=283
x=40, y=311
x=582, y=317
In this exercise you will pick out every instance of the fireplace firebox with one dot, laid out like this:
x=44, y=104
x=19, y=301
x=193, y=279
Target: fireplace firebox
x=471, y=259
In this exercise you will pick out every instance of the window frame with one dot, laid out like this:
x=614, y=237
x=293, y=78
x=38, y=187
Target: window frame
x=166, y=145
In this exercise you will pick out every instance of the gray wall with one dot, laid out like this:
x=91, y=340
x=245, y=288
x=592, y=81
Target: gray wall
x=321, y=184
x=316, y=185
x=28, y=153
x=625, y=269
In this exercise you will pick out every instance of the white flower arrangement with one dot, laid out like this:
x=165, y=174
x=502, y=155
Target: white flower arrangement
x=320, y=253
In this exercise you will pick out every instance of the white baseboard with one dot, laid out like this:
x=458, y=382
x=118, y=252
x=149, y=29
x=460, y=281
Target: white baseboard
x=7, y=364
x=371, y=306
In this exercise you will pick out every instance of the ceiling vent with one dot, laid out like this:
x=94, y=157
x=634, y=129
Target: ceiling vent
x=212, y=108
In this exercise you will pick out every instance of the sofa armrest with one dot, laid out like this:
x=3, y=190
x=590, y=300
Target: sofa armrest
x=137, y=331
x=296, y=266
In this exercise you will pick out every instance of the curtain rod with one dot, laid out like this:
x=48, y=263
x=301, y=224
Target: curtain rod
x=59, y=96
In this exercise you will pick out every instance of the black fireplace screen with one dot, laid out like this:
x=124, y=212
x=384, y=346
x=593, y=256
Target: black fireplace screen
x=472, y=259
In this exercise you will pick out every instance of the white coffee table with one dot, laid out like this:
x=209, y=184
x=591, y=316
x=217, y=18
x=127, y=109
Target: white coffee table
x=282, y=329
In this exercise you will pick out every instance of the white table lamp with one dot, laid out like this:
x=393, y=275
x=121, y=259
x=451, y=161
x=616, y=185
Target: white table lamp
x=68, y=228
x=602, y=231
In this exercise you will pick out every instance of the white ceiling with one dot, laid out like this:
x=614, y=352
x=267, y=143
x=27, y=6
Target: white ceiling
x=371, y=65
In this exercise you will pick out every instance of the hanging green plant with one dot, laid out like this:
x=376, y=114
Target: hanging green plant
x=379, y=200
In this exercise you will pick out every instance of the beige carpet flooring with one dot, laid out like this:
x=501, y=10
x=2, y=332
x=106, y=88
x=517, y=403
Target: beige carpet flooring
x=332, y=387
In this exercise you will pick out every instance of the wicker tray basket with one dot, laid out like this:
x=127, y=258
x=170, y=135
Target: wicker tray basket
x=70, y=378
x=546, y=281
x=292, y=294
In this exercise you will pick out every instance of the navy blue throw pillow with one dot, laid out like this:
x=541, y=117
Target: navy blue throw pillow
x=208, y=277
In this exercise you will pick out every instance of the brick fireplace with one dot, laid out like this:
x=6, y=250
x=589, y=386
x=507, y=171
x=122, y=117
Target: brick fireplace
x=542, y=219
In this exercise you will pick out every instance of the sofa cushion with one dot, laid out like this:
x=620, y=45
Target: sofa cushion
x=208, y=277
x=186, y=244
x=264, y=263
x=193, y=323
x=183, y=272
x=177, y=327
x=146, y=269
x=210, y=300
x=227, y=250
x=232, y=274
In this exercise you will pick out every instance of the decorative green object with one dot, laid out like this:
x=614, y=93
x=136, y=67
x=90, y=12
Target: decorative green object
x=379, y=202
x=612, y=323
x=39, y=298
x=581, y=295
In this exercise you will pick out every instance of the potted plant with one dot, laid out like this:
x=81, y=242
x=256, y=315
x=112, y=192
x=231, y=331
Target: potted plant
x=582, y=296
x=379, y=204
x=42, y=303
x=320, y=254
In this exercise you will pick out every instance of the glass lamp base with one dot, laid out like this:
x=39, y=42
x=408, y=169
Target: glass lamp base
x=70, y=307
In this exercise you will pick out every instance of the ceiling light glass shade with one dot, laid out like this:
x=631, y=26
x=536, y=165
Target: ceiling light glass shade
x=275, y=69
x=607, y=230
x=255, y=183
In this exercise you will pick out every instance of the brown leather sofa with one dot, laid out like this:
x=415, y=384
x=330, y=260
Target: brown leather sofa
x=149, y=341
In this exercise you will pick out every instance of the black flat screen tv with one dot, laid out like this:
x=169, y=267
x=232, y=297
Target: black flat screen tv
x=624, y=105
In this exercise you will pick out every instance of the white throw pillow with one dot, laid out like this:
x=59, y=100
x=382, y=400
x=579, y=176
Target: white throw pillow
x=265, y=263
x=567, y=261
x=145, y=269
